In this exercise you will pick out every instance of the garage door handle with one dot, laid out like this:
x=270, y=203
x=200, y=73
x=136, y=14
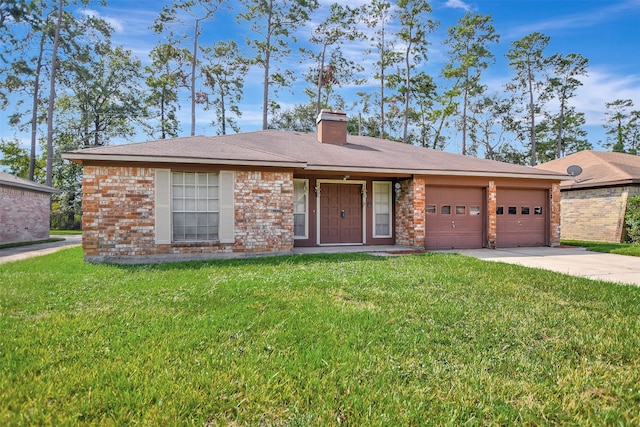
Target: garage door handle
x=453, y=224
x=342, y=213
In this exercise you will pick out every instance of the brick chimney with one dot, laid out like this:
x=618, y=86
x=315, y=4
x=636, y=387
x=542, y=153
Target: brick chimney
x=332, y=127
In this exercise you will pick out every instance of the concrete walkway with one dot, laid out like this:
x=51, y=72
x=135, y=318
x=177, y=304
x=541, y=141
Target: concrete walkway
x=23, y=252
x=569, y=260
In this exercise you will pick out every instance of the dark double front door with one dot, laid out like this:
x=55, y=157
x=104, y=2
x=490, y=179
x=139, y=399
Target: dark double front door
x=340, y=213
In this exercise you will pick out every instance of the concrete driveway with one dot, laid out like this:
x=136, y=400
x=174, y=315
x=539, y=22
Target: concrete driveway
x=23, y=252
x=568, y=260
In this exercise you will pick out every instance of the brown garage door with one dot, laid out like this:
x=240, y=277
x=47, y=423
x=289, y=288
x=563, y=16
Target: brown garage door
x=521, y=218
x=454, y=218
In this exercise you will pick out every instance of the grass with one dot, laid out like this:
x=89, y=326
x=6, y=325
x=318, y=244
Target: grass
x=65, y=232
x=351, y=339
x=630, y=249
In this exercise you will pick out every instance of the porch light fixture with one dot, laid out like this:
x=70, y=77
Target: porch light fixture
x=398, y=187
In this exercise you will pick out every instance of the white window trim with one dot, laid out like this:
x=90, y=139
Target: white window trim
x=198, y=200
x=306, y=209
x=164, y=208
x=388, y=184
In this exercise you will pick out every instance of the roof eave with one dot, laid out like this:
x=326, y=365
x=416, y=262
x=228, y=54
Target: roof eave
x=39, y=189
x=436, y=172
x=80, y=157
x=617, y=183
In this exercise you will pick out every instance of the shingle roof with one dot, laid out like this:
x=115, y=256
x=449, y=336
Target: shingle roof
x=302, y=150
x=599, y=169
x=9, y=180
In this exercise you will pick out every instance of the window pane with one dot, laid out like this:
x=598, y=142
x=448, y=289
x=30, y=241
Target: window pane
x=537, y=210
x=213, y=192
x=461, y=210
x=513, y=210
x=382, y=209
x=299, y=225
x=500, y=210
x=195, y=206
x=524, y=210
x=445, y=210
x=382, y=224
x=178, y=219
x=300, y=206
x=474, y=210
x=431, y=209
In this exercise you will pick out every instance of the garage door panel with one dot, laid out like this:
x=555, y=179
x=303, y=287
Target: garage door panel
x=454, y=218
x=521, y=218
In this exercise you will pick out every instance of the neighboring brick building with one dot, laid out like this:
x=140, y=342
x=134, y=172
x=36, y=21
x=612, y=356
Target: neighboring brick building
x=594, y=203
x=269, y=191
x=25, y=210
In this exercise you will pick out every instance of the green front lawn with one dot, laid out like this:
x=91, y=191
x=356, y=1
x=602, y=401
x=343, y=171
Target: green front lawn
x=64, y=232
x=612, y=248
x=437, y=339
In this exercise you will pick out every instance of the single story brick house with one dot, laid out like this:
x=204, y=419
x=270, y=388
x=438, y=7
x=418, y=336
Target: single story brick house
x=594, y=202
x=267, y=192
x=25, y=210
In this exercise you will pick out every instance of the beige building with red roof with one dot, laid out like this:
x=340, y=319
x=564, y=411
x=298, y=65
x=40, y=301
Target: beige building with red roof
x=594, y=202
x=267, y=192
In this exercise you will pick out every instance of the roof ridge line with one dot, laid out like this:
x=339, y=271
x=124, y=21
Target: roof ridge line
x=593, y=153
x=239, y=144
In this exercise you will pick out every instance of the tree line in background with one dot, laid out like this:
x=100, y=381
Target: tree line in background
x=62, y=80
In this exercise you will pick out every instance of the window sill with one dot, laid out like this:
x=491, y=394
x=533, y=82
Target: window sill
x=195, y=243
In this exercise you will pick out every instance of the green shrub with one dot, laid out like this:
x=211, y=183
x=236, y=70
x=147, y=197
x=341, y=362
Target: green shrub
x=632, y=219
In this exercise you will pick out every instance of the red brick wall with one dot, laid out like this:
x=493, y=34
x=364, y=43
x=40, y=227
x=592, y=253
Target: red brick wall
x=118, y=218
x=24, y=215
x=264, y=212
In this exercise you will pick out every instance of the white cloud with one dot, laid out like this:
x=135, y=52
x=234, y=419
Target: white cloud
x=602, y=86
x=116, y=24
x=457, y=4
x=587, y=19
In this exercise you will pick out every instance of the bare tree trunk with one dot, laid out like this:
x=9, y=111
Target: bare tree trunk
x=34, y=112
x=465, y=100
x=560, y=130
x=194, y=62
x=52, y=95
x=532, y=113
x=407, y=84
x=320, y=73
x=267, y=58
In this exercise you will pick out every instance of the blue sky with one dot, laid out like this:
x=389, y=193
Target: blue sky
x=607, y=32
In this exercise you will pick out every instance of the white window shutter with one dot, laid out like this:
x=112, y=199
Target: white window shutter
x=163, y=206
x=227, y=216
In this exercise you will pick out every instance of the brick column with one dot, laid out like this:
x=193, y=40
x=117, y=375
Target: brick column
x=492, y=225
x=419, y=213
x=554, y=223
x=410, y=213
